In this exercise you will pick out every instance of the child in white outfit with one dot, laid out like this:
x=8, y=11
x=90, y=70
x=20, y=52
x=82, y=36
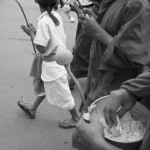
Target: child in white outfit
x=50, y=35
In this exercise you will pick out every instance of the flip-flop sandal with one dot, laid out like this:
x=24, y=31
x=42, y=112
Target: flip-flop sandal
x=66, y=124
x=23, y=106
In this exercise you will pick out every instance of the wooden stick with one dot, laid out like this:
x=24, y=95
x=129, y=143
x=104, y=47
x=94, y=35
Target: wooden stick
x=26, y=22
x=81, y=7
x=78, y=86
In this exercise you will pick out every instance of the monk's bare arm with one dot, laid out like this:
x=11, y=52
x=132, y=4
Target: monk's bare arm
x=103, y=36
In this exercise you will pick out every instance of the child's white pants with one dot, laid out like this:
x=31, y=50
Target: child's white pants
x=58, y=93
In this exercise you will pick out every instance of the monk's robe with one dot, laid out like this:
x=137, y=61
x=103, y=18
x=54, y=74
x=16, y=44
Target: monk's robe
x=139, y=86
x=81, y=51
x=128, y=22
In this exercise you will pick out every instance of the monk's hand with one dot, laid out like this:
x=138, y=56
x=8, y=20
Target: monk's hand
x=89, y=132
x=29, y=30
x=90, y=25
x=72, y=7
x=90, y=13
x=118, y=99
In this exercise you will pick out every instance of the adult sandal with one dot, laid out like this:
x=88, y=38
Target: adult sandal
x=66, y=124
x=24, y=106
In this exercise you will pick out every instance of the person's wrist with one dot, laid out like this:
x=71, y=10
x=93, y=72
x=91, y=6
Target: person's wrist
x=125, y=91
x=99, y=34
x=32, y=35
x=103, y=36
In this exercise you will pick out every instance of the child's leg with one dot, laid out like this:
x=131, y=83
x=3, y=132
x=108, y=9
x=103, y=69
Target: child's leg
x=35, y=105
x=74, y=115
x=30, y=110
x=70, y=123
x=59, y=94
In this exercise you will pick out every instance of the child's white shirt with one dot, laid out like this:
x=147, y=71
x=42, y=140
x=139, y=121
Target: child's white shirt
x=49, y=35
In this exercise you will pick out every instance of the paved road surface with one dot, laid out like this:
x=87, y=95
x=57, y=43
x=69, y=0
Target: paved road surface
x=17, y=132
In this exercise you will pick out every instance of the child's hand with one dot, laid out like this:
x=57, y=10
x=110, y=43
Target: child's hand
x=29, y=30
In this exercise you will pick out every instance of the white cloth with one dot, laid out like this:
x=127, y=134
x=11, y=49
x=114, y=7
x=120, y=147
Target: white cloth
x=52, y=71
x=50, y=36
x=59, y=94
x=53, y=75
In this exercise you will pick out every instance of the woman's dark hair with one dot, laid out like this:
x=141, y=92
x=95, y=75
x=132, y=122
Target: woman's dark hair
x=49, y=5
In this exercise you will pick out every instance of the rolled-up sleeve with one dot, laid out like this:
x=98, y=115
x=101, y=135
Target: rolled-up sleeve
x=42, y=36
x=139, y=86
x=131, y=46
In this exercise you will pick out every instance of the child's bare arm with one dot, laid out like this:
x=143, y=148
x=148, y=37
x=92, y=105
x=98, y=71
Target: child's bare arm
x=31, y=31
x=40, y=48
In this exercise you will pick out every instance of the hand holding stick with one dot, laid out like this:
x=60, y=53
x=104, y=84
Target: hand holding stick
x=26, y=22
x=80, y=6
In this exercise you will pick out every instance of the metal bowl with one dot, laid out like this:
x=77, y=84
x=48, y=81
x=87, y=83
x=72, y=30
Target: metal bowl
x=139, y=112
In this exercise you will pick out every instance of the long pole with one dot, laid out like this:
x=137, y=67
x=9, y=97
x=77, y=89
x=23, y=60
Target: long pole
x=26, y=22
x=78, y=87
x=81, y=7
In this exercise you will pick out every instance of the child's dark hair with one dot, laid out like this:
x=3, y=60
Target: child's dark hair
x=49, y=5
